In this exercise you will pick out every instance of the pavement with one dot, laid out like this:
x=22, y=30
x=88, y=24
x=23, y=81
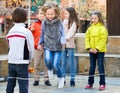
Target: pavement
x=112, y=86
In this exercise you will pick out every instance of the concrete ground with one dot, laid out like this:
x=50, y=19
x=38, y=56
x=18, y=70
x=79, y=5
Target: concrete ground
x=112, y=86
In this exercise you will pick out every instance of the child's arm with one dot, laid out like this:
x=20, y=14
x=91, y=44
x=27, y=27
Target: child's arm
x=63, y=40
x=87, y=40
x=71, y=31
x=32, y=27
x=30, y=44
x=41, y=41
x=103, y=38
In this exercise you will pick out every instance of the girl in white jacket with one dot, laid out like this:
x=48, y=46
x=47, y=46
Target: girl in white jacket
x=70, y=27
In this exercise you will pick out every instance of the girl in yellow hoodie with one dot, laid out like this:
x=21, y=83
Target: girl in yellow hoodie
x=95, y=43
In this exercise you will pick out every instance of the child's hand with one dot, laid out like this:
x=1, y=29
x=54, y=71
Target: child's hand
x=40, y=47
x=95, y=51
x=67, y=40
x=63, y=46
x=32, y=28
x=91, y=50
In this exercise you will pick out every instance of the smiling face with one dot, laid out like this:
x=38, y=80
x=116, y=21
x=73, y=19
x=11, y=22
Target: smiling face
x=40, y=16
x=50, y=14
x=94, y=19
x=66, y=13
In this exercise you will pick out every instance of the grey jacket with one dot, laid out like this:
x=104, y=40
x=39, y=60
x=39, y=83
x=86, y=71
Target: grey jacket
x=52, y=35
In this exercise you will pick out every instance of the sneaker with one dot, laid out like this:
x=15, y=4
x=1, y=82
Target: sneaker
x=61, y=83
x=50, y=74
x=72, y=83
x=88, y=86
x=47, y=83
x=102, y=87
x=36, y=83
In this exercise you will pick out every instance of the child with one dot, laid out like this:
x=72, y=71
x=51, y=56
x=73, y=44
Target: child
x=38, y=54
x=62, y=16
x=95, y=43
x=53, y=41
x=70, y=26
x=21, y=51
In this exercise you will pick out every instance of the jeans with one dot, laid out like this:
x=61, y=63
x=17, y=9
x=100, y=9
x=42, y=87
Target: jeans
x=19, y=71
x=100, y=59
x=52, y=61
x=70, y=53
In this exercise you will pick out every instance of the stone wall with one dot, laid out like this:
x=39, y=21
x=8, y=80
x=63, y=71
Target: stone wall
x=3, y=45
x=3, y=60
x=3, y=68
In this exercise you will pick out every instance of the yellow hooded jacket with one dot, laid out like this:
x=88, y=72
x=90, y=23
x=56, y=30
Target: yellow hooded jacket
x=96, y=37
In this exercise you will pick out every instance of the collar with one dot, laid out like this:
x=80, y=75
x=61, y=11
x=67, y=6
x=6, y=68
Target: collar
x=96, y=24
x=19, y=24
x=52, y=21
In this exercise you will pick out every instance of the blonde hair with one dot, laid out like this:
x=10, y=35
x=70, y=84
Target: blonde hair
x=51, y=6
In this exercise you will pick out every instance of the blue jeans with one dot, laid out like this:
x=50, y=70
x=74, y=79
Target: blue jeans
x=70, y=53
x=100, y=59
x=52, y=61
x=20, y=71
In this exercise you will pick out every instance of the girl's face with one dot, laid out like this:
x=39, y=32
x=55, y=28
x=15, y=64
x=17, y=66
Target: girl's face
x=62, y=14
x=67, y=14
x=41, y=16
x=50, y=14
x=94, y=19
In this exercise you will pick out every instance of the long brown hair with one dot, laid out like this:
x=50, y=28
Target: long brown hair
x=72, y=16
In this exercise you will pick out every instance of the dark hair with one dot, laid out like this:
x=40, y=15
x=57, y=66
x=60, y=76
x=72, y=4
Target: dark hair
x=99, y=16
x=19, y=15
x=72, y=17
x=53, y=6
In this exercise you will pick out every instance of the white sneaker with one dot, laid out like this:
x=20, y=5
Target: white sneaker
x=50, y=74
x=61, y=82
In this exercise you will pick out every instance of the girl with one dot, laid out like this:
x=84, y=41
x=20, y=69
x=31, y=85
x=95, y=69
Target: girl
x=70, y=26
x=53, y=41
x=95, y=43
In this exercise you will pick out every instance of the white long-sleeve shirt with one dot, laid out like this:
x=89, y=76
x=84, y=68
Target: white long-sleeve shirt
x=21, y=44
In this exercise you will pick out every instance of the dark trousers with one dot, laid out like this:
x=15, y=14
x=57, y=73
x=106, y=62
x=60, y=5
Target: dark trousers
x=99, y=57
x=19, y=71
